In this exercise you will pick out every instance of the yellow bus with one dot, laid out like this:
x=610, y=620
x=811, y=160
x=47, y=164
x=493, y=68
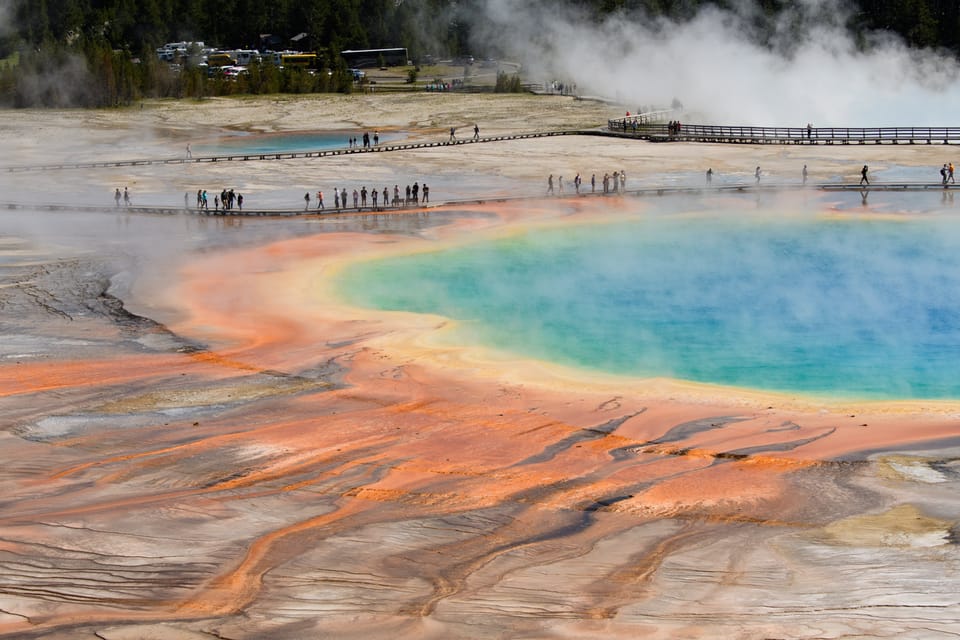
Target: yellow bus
x=298, y=60
x=220, y=60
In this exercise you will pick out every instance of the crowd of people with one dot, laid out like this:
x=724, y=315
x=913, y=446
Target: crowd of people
x=373, y=199
x=615, y=183
x=224, y=201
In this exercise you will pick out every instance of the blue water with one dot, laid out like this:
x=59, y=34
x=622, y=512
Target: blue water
x=852, y=308
x=287, y=142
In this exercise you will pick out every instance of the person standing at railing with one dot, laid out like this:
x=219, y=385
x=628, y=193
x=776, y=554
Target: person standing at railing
x=809, y=131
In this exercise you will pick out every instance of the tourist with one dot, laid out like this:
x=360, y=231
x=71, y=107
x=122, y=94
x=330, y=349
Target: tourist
x=560, y=185
x=374, y=194
x=863, y=175
x=356, y=197
x=550, y=185
x=376, y=138
x=189, y=152
x=240, y=201
x=453, y=136
x=476, y=132
x=336, y=198
x=593, y=183
x=306, y=200
x=709, y=175
x=943, y=173
x=116, y=196
x=320, y=200
x=363, y=189
x=426, y=193
x=386, y=197
x=804, y=174
x=576, y=183
x=126, y=197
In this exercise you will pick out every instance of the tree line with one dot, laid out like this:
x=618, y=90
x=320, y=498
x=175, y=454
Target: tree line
x=103, y=52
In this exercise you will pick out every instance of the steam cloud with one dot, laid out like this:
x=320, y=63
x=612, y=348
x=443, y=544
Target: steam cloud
x=810, y=70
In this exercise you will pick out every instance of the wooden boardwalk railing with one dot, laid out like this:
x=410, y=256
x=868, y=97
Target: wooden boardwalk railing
x=786, y=135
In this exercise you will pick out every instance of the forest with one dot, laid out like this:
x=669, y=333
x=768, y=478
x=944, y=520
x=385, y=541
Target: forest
x=112, y=43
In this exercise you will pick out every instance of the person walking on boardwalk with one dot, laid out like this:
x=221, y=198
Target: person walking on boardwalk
x=117, y=196
x=943, y=173
x=476, y=132
x=426, y=193
x=320, y=200
x=709, y=175
x=126, y=197
x=550, y=185
x=576, y=183
x=804, y=174
x=189, y=151
x=950, y=173
x=306, y=200
x=336, y=198
x=757, y=174
x=863, y=175
x=453, y=134
x=240, y=201
x=593, y=183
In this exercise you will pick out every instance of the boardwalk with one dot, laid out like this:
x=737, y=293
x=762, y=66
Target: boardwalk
x=633, y=128
x=259, y=156
x=447, y=204
x=625, y=127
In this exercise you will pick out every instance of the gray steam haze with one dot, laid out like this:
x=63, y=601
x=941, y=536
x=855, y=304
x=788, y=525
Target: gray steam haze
x=811, y=72
x=6, y=11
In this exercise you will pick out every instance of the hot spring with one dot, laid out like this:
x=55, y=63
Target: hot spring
x=297, y=142
x=864, y=307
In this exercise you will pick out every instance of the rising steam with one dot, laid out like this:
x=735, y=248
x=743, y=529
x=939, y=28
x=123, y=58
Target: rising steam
x=805, y=68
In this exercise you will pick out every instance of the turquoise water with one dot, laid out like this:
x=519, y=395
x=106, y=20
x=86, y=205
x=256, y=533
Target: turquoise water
x=857, y=308
x=287, y=142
